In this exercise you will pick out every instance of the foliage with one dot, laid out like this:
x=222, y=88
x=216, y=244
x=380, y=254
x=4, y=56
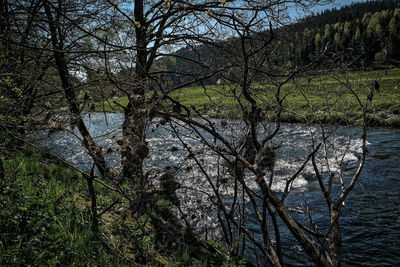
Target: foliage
x=368, y=32
x=45, y=221
x=26, y=78
x=40, y=224
x=370, y=27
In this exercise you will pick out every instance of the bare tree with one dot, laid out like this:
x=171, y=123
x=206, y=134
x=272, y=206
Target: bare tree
x=129, y=41
x=249, y=157
x=22, y=66
x=249, y=154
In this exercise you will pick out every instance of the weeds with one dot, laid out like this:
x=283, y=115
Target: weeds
x=45, y=220
x=39, y=224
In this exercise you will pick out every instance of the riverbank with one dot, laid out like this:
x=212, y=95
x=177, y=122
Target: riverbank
x=45, y=220
x=371, y=214
x=324, y=97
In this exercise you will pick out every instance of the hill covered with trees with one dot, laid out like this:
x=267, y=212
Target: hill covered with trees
x=369, y=31
x=363, y=35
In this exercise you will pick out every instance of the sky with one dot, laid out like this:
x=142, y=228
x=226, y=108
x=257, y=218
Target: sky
x=296, y=14
x=338, y=4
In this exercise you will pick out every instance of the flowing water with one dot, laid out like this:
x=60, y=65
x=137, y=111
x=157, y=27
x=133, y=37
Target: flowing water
x=371, y=218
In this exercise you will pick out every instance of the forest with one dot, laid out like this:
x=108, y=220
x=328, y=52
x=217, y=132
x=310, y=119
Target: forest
x=365, y=35
x=197, y=133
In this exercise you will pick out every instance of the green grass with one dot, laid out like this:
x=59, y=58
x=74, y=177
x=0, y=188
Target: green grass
x=330, y=99
x=45, y=220
x=39, y=224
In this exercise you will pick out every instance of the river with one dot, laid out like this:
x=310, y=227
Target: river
x=371, y=219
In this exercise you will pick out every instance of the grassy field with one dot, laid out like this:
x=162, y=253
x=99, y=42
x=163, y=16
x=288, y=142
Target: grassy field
x=325, y=96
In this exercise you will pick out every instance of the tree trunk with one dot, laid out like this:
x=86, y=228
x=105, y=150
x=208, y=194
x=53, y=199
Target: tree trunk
x=76, y=118
x=134, y=147
x=92, y=193
x=2, y=174
x=335, y=242
x=27, y=104
x=308, y=245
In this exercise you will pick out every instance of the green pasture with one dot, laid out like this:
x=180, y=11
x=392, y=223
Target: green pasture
x=330, y=98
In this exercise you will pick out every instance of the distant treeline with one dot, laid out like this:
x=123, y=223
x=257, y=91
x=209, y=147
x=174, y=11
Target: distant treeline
x=373, y=37
x=346, y=13
x=364, y=34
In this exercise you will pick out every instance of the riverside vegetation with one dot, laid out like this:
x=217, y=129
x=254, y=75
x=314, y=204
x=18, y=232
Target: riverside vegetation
x=303, y=96
x=63, y=59
x=51, y=225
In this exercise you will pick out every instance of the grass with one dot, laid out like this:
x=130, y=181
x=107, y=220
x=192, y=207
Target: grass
x=331, y=100
x=45, y=221
x=39, y=222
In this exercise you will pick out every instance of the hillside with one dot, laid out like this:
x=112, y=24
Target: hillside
x=346, y=13
x=361, y=34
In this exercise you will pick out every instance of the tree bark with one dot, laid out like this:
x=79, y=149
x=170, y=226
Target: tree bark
x=134, y=147
x=335, y=243
x=307, y=244
x=76, y=118
x=92, y=193
x=2, y=174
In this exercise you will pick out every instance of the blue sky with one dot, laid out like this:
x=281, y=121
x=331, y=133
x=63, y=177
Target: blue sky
x=339, y=3
x=295, y=14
